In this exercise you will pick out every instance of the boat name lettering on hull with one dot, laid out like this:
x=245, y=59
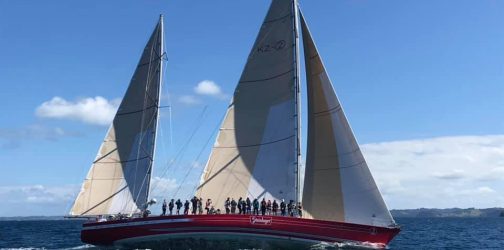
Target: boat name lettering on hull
x=260, y=220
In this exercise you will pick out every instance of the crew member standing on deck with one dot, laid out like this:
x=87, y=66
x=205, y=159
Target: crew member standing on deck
x=240, y=205
x=268, y=207
x=227, y=204
x=256, y=206
x=290, y=208
x=275, y=207
x=263, y=206
x=164, y=208
x=171, y=205
x=208, y=206
x=200, y=205
x=249, y=206
x=186, y=207
x=282, y=207
x=194, y=204
x=300, y=210
x=233, y=206
x=179, y=205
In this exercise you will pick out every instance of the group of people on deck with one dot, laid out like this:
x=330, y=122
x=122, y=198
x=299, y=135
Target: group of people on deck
x=232, y=206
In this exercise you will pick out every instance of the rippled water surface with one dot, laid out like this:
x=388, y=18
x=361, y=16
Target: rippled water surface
x=417, y=233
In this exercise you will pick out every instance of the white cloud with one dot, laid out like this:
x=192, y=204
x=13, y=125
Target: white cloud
x=210, y=88
x=160, y=187
x=207, y=87
x=36, y=199
x=13, y=137
x=97, y=110
x=458, y=171
x=189, y=100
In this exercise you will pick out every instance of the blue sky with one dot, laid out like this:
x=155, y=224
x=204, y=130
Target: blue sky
x=417, y=79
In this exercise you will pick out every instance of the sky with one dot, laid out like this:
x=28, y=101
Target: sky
x=422, y=84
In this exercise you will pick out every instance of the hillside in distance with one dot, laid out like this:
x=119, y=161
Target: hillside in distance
x=448, y=212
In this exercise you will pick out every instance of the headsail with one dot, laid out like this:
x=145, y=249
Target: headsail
x=254, y=154
x=119, y=178
x=338, y=185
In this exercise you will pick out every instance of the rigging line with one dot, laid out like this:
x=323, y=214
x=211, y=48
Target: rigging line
x=169, y=106
x=199, y=155
x=158, y=123
x=181, y=150
x=198, y=124
x=165, y=151
x=171, y=128
x=211, y=135
x=176, y=159
x=174, y=167
x=164, y=57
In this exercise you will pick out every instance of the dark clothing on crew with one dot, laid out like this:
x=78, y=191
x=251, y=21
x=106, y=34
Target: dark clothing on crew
x=263, y=207
x=282, y=208
x=186, y=207
x=170, y=206
x=164, y=208
x=275, y=207
x=194, y=203
x=290, y=208
x=249, y=206
x=300, y=210
x=179, y=205
x=227, y=204
x=240, y=205
x=200, y=206
x=233, y=206
x=256, y=206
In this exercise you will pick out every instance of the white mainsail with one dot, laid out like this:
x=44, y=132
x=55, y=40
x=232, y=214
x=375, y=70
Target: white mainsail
x=119, y=178
x=338, y=185
x=255, y=152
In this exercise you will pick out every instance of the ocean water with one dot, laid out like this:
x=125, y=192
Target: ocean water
x=417, y=233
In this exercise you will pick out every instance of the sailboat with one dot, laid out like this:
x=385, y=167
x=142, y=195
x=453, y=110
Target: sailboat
x=256, y=155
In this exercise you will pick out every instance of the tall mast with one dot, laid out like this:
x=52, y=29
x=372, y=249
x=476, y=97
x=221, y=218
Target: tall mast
x=161, y=57
x=297, y=98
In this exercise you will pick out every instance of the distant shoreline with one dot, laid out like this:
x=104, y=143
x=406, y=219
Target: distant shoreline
x=448, y=213
x=397, y=213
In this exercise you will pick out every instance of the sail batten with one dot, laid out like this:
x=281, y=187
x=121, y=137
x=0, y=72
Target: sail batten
x=338, y=185
x=254, y=153
x=119, y=178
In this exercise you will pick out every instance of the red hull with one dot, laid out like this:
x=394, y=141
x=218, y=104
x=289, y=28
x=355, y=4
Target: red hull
x=241, y=226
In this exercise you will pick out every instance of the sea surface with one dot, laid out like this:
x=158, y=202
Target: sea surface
x=417, y=233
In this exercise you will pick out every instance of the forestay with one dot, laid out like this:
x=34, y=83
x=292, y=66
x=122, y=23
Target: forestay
x=254, y=154
x=119, y=178
x=338, y=185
